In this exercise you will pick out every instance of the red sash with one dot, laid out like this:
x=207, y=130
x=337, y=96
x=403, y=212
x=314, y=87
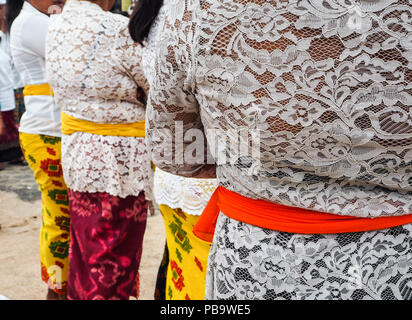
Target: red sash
x=278, y=217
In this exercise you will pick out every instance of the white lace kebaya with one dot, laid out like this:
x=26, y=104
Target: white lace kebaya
x=327, y=84
x=189, y=194
x=94, y=68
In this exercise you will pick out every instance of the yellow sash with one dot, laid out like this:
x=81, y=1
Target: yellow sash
x=43, y=89
x=71, y=125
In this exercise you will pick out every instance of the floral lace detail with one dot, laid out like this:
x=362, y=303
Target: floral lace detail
x=189, y=194
x=115, y=165
x=328, y=84
x=247, y=262
x=151, y=43
x=94, y=68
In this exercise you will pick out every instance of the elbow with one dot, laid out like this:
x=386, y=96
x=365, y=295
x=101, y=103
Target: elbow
x=205, y=171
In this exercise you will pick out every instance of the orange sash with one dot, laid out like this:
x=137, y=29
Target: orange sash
x=278, y=217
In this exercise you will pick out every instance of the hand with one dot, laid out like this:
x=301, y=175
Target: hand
x=140, y=96
x=2, y=128
x=151, y=208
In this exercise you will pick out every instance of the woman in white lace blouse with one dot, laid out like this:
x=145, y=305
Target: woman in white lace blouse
x=94, y=68
x=315, y=201
x=181, y=200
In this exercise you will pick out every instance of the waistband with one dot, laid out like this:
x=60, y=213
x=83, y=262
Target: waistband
x=43, y=89
x=278, y=217
x=71, y=125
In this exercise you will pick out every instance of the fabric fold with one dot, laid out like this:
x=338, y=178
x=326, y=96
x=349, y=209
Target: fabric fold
x=71, y=125
x=278, y=217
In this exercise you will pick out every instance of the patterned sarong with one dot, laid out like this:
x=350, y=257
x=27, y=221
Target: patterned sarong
x=106, y=245
x=186, y=272
x=43, y=154
x=9, y=141
x=20, y=106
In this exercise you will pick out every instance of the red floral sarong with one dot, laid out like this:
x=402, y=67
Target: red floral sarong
x=106, y=245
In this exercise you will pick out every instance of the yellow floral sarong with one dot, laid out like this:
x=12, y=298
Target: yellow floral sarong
x=186, y=272
x=43, y=153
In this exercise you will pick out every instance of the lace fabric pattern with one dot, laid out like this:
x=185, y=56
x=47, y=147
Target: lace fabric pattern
x=189, y=194
x=115, y=165
x=94, y=68
x=151, y=43
x=327, y=84
x=251, y=263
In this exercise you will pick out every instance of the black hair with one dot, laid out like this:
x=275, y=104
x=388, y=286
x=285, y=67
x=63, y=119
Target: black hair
x=141, y=20
x=117, y=8
x=13, y=10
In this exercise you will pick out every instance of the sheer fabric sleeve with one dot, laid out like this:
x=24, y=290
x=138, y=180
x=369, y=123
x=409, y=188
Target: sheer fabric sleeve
x=173, y=125
x=129, y=56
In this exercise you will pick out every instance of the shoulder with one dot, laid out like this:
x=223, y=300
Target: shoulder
x=29, y=21
x=120, y=19
x=28, y=24
x=120, y=29
x=17, y=25
x=34, y=19
x=117, y=21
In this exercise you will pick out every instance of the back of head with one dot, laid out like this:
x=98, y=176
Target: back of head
x=142, y=18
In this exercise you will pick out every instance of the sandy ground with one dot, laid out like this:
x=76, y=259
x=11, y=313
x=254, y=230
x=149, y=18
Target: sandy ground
x=19, y=250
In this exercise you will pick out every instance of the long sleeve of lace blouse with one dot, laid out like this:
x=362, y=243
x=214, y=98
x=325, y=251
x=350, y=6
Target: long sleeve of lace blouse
x=129, y=57
x=174, y=128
